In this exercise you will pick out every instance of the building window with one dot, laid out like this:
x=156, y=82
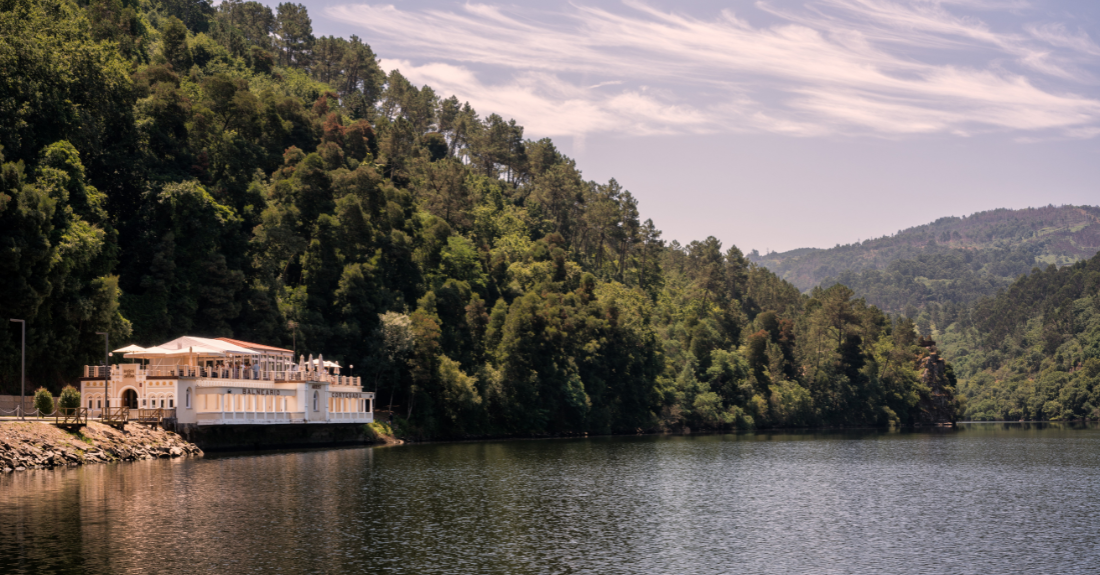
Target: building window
x=171, y=403
x=187, y=398
x=89, y=404
x=101, y=404
x=315, y=401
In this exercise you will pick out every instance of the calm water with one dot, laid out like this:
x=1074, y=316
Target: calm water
x=988, y=498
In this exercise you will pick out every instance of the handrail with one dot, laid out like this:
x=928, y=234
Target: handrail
x=238, y=373
x=115, y=415
x=150, y=415
x=70, y=416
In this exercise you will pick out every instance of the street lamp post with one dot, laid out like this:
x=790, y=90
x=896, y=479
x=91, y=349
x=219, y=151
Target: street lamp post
x=107, y=373
x=293, y=326
x=22, y=368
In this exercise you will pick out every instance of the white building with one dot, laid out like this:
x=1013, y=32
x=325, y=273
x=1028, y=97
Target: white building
x=226, y=381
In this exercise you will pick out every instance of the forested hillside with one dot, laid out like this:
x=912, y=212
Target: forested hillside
x=933, y=271
x=170, y=168
x=1033, y=351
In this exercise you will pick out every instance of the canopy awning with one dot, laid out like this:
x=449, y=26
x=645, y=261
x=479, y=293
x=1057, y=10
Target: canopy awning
x=129, y=349
x=214, y=344
x=159, y=351
x=189, y=344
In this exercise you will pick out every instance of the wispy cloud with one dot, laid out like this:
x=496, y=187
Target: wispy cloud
x=879, y=67
x=1058, y=35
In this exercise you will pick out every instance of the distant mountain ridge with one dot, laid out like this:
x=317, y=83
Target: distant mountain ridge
x=1058, y=235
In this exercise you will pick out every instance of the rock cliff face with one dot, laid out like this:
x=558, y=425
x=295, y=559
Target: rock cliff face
x=938, y=405
x=37, y=445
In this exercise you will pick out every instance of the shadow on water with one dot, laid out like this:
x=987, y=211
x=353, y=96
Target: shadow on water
x=798, y=434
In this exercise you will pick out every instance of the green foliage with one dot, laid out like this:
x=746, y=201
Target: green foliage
x=225, y=172
x=70, y=398
x=379, y=430
x=57, y=253
x=43, y=401
x=1032, y=352
x=63, y=81
x=940, y=268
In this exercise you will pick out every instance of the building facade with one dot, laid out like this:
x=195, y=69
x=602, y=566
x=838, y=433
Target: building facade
x=224, y=381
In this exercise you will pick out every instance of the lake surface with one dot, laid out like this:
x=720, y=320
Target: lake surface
x=986, y=498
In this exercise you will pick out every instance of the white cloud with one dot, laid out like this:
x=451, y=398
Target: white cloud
x=550, y=106
x=1058, y=35
x=835, y=66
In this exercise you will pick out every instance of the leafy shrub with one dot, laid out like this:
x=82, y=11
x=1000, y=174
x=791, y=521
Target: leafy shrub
x=70, y=398
x=43, y=401
x=379, y=429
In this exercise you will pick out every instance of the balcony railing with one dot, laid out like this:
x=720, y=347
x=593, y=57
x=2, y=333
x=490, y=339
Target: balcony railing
x=99, y=371
x=237, y=373
x=260, y=417
x=352, y=417
x=243, y=417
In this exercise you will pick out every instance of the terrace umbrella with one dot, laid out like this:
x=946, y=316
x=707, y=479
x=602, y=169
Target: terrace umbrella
x=129, y=349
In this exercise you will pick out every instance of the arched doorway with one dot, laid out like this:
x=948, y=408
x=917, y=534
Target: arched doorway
x=129, y=399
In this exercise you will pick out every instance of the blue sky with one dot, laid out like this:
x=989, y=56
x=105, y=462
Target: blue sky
x=776, y=124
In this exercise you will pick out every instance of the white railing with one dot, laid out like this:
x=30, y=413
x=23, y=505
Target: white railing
x=269, y=417
x=238, y=373
x=234, y=383
x=247, y=417
x=352, y=417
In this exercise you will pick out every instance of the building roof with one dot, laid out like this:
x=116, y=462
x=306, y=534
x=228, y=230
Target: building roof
x=190, y=345
x=254, y=346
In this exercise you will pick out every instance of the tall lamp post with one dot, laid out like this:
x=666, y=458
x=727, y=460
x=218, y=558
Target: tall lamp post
x=22, y=368
x=293, y=326
x=107, y=374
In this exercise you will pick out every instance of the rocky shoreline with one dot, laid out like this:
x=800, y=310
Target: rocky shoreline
x=41, y=445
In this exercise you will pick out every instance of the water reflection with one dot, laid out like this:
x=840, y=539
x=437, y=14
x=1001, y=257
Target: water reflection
x=982, y=498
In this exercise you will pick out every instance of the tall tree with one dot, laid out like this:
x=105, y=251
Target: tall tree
x=294, y=31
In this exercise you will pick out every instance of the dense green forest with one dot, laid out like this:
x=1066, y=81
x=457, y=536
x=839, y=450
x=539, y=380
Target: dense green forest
x=1032, y=351
x=933, y=272
x=173, y=168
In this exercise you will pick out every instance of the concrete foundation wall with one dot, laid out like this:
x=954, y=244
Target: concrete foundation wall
x=9, y=403
x=280, y=436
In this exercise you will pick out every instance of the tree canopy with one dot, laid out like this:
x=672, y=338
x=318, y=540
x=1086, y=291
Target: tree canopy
x=175, y=167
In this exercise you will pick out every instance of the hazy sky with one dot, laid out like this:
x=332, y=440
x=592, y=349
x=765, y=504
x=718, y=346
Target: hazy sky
x=776, y=124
